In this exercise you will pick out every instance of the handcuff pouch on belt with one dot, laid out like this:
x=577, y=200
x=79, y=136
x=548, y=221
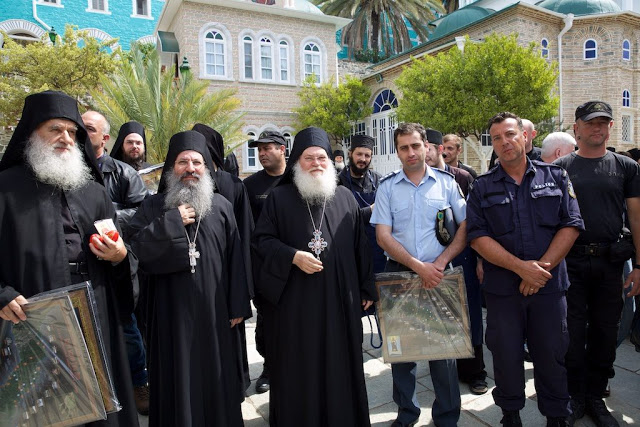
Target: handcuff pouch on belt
x=623, y=249
x=446, y=226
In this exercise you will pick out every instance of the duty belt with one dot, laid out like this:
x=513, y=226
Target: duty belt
x=592, y=249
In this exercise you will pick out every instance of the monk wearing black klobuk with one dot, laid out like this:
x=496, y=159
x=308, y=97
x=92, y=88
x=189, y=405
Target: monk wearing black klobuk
x=315, y=275
x=51, y=193
x=190, y=248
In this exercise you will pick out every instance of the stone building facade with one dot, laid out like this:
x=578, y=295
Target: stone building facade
x=265, y=52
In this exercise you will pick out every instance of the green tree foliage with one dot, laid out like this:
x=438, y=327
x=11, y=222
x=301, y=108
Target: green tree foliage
x=458, y=92
x=140, y=91
x=73, y=65
x=333, y=107
x=381, y=25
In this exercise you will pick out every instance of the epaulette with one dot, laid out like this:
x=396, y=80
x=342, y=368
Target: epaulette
x=489, y=172
x=390, y=174
x=444, y=172
x=552, y=165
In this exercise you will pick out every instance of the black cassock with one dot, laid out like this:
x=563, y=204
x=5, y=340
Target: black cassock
x=194, y=374
x=35, y=260
x=313, y=331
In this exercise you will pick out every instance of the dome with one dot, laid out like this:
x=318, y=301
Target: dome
x=307, y=6
x=581, y=7
x=458, y=19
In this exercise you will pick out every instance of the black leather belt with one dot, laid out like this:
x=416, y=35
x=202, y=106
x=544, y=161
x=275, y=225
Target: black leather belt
x=592, y=249
x=78, y=268
x=398, y=266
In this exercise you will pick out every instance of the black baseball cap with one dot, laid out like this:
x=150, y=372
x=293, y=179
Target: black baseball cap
x=268, y=136
x=592, y=109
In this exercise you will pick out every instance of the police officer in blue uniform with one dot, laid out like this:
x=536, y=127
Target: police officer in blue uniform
x=363, y=183
x=405, y=214
x=523, y=218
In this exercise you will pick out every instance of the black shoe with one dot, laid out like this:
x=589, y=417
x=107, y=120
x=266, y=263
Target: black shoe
x=598, y=411
x=262, y=384
x=478, y=386
x=511, y=419
x=577, y=408
x=557, y=422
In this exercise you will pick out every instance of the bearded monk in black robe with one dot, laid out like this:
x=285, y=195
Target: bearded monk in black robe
x=315, y=274
x=190, y=249
x=50, y=196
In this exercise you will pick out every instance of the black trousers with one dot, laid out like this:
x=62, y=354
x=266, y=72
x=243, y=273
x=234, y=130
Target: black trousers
x=594, y=305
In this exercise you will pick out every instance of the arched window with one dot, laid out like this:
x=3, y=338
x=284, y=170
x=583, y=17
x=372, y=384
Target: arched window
x=626, y=50
x=289, y=139
x=266, y=58
x=215, y=47
x=247, y=50
x=590, y=49
x=283, y=52
x=252, y=154
x=312, y=62
x=385, y=100
x=544, y=52
x=626, y=98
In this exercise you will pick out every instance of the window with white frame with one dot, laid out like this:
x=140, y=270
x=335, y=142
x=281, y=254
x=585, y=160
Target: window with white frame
x=283, y=52
x=142, y=7
x=485, y=139
x=98, y=5
x=252, y=163
x=266, y=58
x=626, y=50
x=51, y=2
x=626, y=98
x=627, y=128
x=590, y=49
x=545, y=48
x=289, y=145
x=215, y=47
x=247, y=48
x=312, y=61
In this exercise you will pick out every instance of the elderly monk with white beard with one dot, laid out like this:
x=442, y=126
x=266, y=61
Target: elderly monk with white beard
x=50, y=196
x=189, y=246
x=315, y=275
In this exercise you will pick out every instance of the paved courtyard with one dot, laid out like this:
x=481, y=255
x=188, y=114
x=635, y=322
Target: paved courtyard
x=476, y=410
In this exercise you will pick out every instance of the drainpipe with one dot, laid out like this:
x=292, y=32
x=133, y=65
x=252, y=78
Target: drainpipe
x=568, y=23
x=35, y=16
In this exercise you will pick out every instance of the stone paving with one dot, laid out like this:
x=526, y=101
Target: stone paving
x=476, y=410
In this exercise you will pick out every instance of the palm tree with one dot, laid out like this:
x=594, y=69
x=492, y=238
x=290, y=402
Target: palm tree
x=451, y=5
x=165, y=105
x=382, y=24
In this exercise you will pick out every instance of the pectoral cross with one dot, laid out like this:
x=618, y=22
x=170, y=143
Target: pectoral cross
x=193, y=256
x=317, y=243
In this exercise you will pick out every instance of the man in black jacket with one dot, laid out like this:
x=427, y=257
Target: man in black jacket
x=127, y=191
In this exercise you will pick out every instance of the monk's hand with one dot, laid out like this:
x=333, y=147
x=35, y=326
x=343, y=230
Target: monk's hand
x=306, y=262
x=13, y=311
x=527, y=288
x=430, y=274
x=107, y=249
x=187, y=213
x=236, y=321
x=534, y=272
x=366, y=304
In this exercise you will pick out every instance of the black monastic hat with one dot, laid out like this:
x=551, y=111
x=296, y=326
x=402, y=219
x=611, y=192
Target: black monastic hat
x=309, y=137
x=215, y=143
x=126, y=130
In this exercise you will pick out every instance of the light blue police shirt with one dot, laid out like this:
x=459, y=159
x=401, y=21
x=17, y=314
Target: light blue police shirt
x=411, y=210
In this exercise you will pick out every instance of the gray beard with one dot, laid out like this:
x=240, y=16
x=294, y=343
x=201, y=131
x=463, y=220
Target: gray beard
x=66, y=171
x=315, y=189
x=197, y=194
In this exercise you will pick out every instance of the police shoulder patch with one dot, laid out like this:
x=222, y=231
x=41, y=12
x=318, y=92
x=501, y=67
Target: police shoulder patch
x=570, y=190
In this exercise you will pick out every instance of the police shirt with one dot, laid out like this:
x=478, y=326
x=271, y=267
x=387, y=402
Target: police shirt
x=410, y=210
x=523, y=219
x=601, y=186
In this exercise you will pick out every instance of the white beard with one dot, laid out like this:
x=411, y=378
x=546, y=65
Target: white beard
x=197, y=194
x=66, y=171
x=339, y=166
x=315, y=189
